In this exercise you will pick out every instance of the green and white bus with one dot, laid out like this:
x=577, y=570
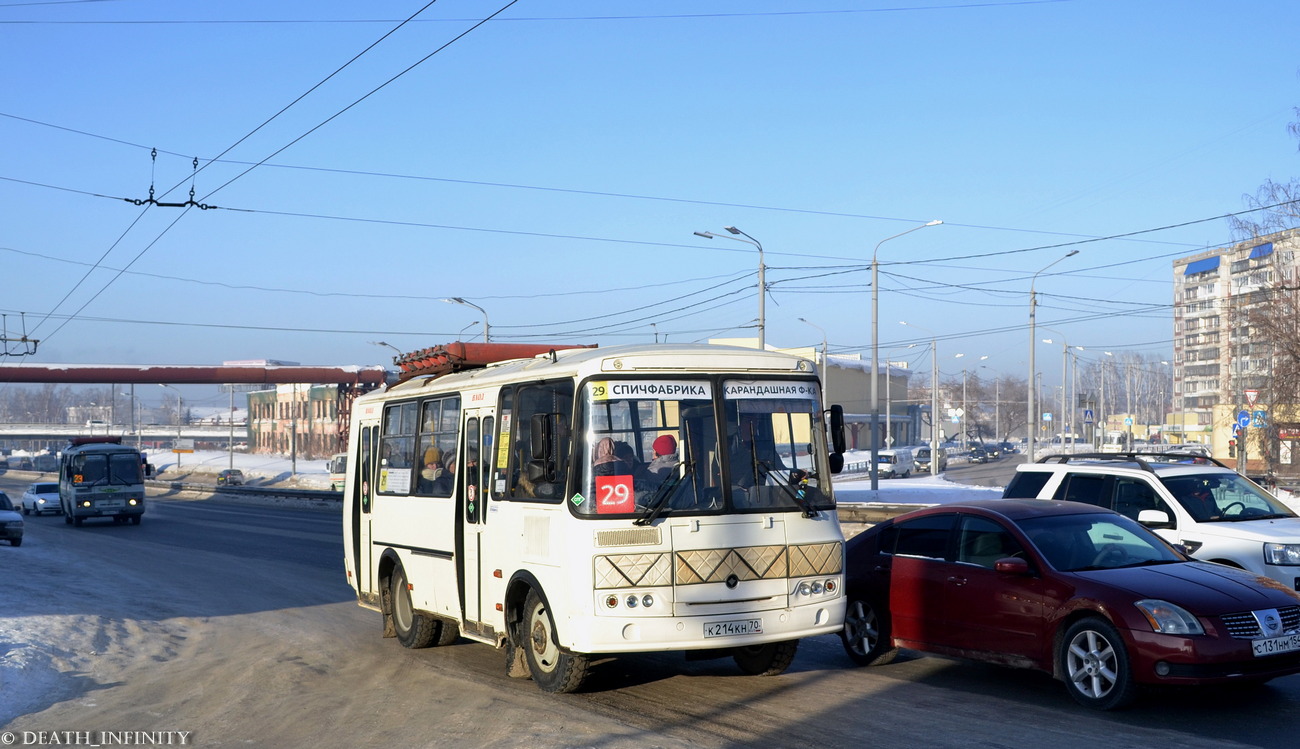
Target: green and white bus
x=101, y=478
x=596, y=501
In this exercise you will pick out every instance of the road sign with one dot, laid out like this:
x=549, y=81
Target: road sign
x=1087, y=416
x=1251, y=397
x=1243, y=419
x=1259, y=419
x=1047, y=417
x=1128, y=421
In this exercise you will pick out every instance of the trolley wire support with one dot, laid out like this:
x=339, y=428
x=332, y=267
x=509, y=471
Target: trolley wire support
x=151, y=200
x=21, y=346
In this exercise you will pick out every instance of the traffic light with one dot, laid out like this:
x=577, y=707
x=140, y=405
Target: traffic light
x=1232, y=448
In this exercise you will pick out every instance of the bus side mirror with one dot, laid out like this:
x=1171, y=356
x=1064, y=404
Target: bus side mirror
x=542, y=434
x=836, y=461
x=837, y=428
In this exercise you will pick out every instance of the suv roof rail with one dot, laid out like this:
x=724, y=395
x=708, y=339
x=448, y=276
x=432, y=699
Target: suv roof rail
x=1139, y=457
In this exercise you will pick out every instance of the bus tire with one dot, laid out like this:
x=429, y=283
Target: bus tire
x=769, y=659
x=448, y=633
x=135, y=519
x=76, y=522
x=414, y=630
x=554, y=670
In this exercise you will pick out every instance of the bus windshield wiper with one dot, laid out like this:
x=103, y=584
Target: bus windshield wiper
x=798, y=478
x=668, y=489
x=659, y=502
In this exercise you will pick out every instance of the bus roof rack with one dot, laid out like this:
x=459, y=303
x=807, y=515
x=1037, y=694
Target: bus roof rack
x=1144, y=459
x=101, y=440
x=457, y=356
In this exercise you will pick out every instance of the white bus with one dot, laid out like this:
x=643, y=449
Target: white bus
x=337, y=468
x=600, y=501
x=100, y=477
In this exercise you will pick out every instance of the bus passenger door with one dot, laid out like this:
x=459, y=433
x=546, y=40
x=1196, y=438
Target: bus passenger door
x=363, y=487
x=478, y=457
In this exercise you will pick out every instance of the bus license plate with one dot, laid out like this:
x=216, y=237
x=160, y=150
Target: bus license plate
x=729, y=629
x=1275, y=645
x=110, y=504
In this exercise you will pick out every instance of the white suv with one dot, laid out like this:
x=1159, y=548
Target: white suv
x=1215, y=512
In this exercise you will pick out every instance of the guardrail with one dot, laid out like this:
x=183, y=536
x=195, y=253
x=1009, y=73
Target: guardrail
x=316, y=495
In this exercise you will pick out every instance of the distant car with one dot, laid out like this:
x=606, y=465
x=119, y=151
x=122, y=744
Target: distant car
x=1008, y=448
x=978, y=454
x=11, y=523
x=1083, y=593
x=41, y=497
x=994, y=450
x=230, y=477
x=895, y=463
x=922, y=458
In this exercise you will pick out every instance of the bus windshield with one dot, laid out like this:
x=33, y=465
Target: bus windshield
x=114, y=468
x=655, y=447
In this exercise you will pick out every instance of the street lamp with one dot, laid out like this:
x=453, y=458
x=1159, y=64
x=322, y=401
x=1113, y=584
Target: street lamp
x=1066, y=421
x=387, y=345
x=965, y=424
x=1033, y=303
x=458, y=300
x=875, y=352
x=934, y=396
x=762, y=280
x=825, y=363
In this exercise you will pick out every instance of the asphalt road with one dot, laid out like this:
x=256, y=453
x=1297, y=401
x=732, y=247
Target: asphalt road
x=234, y=622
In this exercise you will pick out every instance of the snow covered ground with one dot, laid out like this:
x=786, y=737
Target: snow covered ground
x=920, y=489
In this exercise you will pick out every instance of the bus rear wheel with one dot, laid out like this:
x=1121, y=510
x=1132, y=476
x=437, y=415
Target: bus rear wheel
x=414, y=630
x=553, y=670
x=765, y=660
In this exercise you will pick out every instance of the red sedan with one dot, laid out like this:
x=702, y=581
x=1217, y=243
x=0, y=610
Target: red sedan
x=1085, y=594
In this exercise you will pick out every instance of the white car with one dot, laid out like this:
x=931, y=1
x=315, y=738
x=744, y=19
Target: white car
x=1215, y=512
x=41, y=497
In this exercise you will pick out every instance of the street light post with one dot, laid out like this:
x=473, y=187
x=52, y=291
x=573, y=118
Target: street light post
x=875, y=352
x=762, y=278
x=934, y=396
x=825, y=364
x=1032, y=414
x=487, y=335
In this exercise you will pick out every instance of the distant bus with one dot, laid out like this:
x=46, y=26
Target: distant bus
x=100, y=477
x=45, y=463
x=338, y=469
x=591, y=502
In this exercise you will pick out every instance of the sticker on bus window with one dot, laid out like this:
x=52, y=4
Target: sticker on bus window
x=662, y=390
x=614, y=494
x=741, y=389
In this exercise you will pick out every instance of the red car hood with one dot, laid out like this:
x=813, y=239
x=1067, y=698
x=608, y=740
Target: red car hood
x=1200, y=587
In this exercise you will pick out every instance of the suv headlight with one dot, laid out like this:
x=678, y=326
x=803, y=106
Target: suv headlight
x=1169, y=619
x=1282, y=553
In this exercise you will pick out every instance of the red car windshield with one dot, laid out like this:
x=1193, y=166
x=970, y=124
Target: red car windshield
x=1075, y=543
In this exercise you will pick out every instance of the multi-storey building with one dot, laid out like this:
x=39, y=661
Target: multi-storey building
x=1215, y=359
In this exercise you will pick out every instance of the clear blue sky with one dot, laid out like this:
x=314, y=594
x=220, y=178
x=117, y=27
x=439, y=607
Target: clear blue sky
x=552, y=165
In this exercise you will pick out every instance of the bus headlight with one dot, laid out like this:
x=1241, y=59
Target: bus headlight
x=133, y=501
x=647, y=600
x=85, y=503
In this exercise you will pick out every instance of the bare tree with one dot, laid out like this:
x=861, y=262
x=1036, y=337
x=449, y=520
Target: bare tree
x=1278, y=203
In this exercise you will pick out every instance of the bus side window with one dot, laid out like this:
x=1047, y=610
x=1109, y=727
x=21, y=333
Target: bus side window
x=537, y=475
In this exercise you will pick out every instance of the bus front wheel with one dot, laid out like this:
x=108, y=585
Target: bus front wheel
x=414, y=630
x=553, y=670
x=765, y=660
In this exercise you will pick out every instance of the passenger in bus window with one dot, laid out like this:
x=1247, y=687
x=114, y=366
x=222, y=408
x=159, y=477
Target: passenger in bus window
x=607, y=462
x=432, y=470
x=665, y=458
x=446, y=480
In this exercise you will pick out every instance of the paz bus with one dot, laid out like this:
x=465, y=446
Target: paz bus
x=588, y=502
x=101, y=477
